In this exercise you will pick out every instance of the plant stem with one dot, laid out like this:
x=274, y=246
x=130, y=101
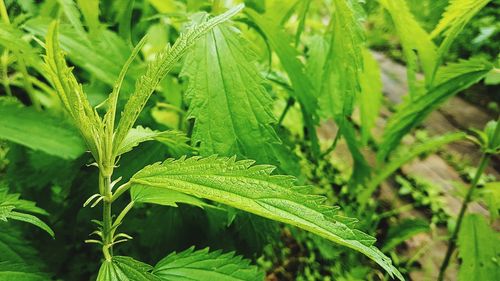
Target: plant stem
x=452, y=243
x=289, y=103
x=105, y=187
x=332, y=146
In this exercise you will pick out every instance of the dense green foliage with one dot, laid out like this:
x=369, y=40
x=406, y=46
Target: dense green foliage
x=188, y=134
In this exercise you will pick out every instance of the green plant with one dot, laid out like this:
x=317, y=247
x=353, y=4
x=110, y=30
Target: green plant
x=238, y=184
x=233, y=106
x=489, y=141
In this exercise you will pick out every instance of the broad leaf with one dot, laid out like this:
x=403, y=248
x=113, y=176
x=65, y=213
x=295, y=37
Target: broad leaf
x=203, y=265
x=227, y=100
x=252, y=188
x=39, y=130
x=479, y=246
x=416, y=42
x=412, y=113
x=344, y=61
x=160, y=67
x=11, y=207
x=121, y=268
x=174, y=140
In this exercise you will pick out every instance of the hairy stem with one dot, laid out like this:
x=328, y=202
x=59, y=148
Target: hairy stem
x=452, y=243
x=105, y=187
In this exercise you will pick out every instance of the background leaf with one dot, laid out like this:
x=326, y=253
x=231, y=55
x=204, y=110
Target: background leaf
x=39, y=130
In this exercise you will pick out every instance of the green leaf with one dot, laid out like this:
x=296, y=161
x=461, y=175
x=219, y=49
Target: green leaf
x=344, y=61
x=14, y=248
x=413, y=112
x=112, y=100
x=70, y=92
x=280, y=42
x=73, y=15
x=31, y=219
x=252, y=188
x=102, y=57
x=160, y=67
x=232, y=110
x=370, y=98
x=175, y=140
x=11, y=38
x=416, y=43
x=403, y=231
x=454, y=19
x=11, y=207
x=479, y=246
x=153, y=195
x=38, y=130
x=121, y=268
x=90, y=11
x=203, y=265
x=18, y=259
x=20, y=272
x=490, y=194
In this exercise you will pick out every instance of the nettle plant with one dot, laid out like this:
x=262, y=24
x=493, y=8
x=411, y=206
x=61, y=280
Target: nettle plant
x=236, y=183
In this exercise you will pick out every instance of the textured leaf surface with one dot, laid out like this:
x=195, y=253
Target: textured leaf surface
x=253, y=189
x=39, y=130
x=121, y=268
x=160, y=67
x=203, y=265
x=231, y=108
x=413, y=112
x=70, y=92
x=344, y=61
x=479, y=248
